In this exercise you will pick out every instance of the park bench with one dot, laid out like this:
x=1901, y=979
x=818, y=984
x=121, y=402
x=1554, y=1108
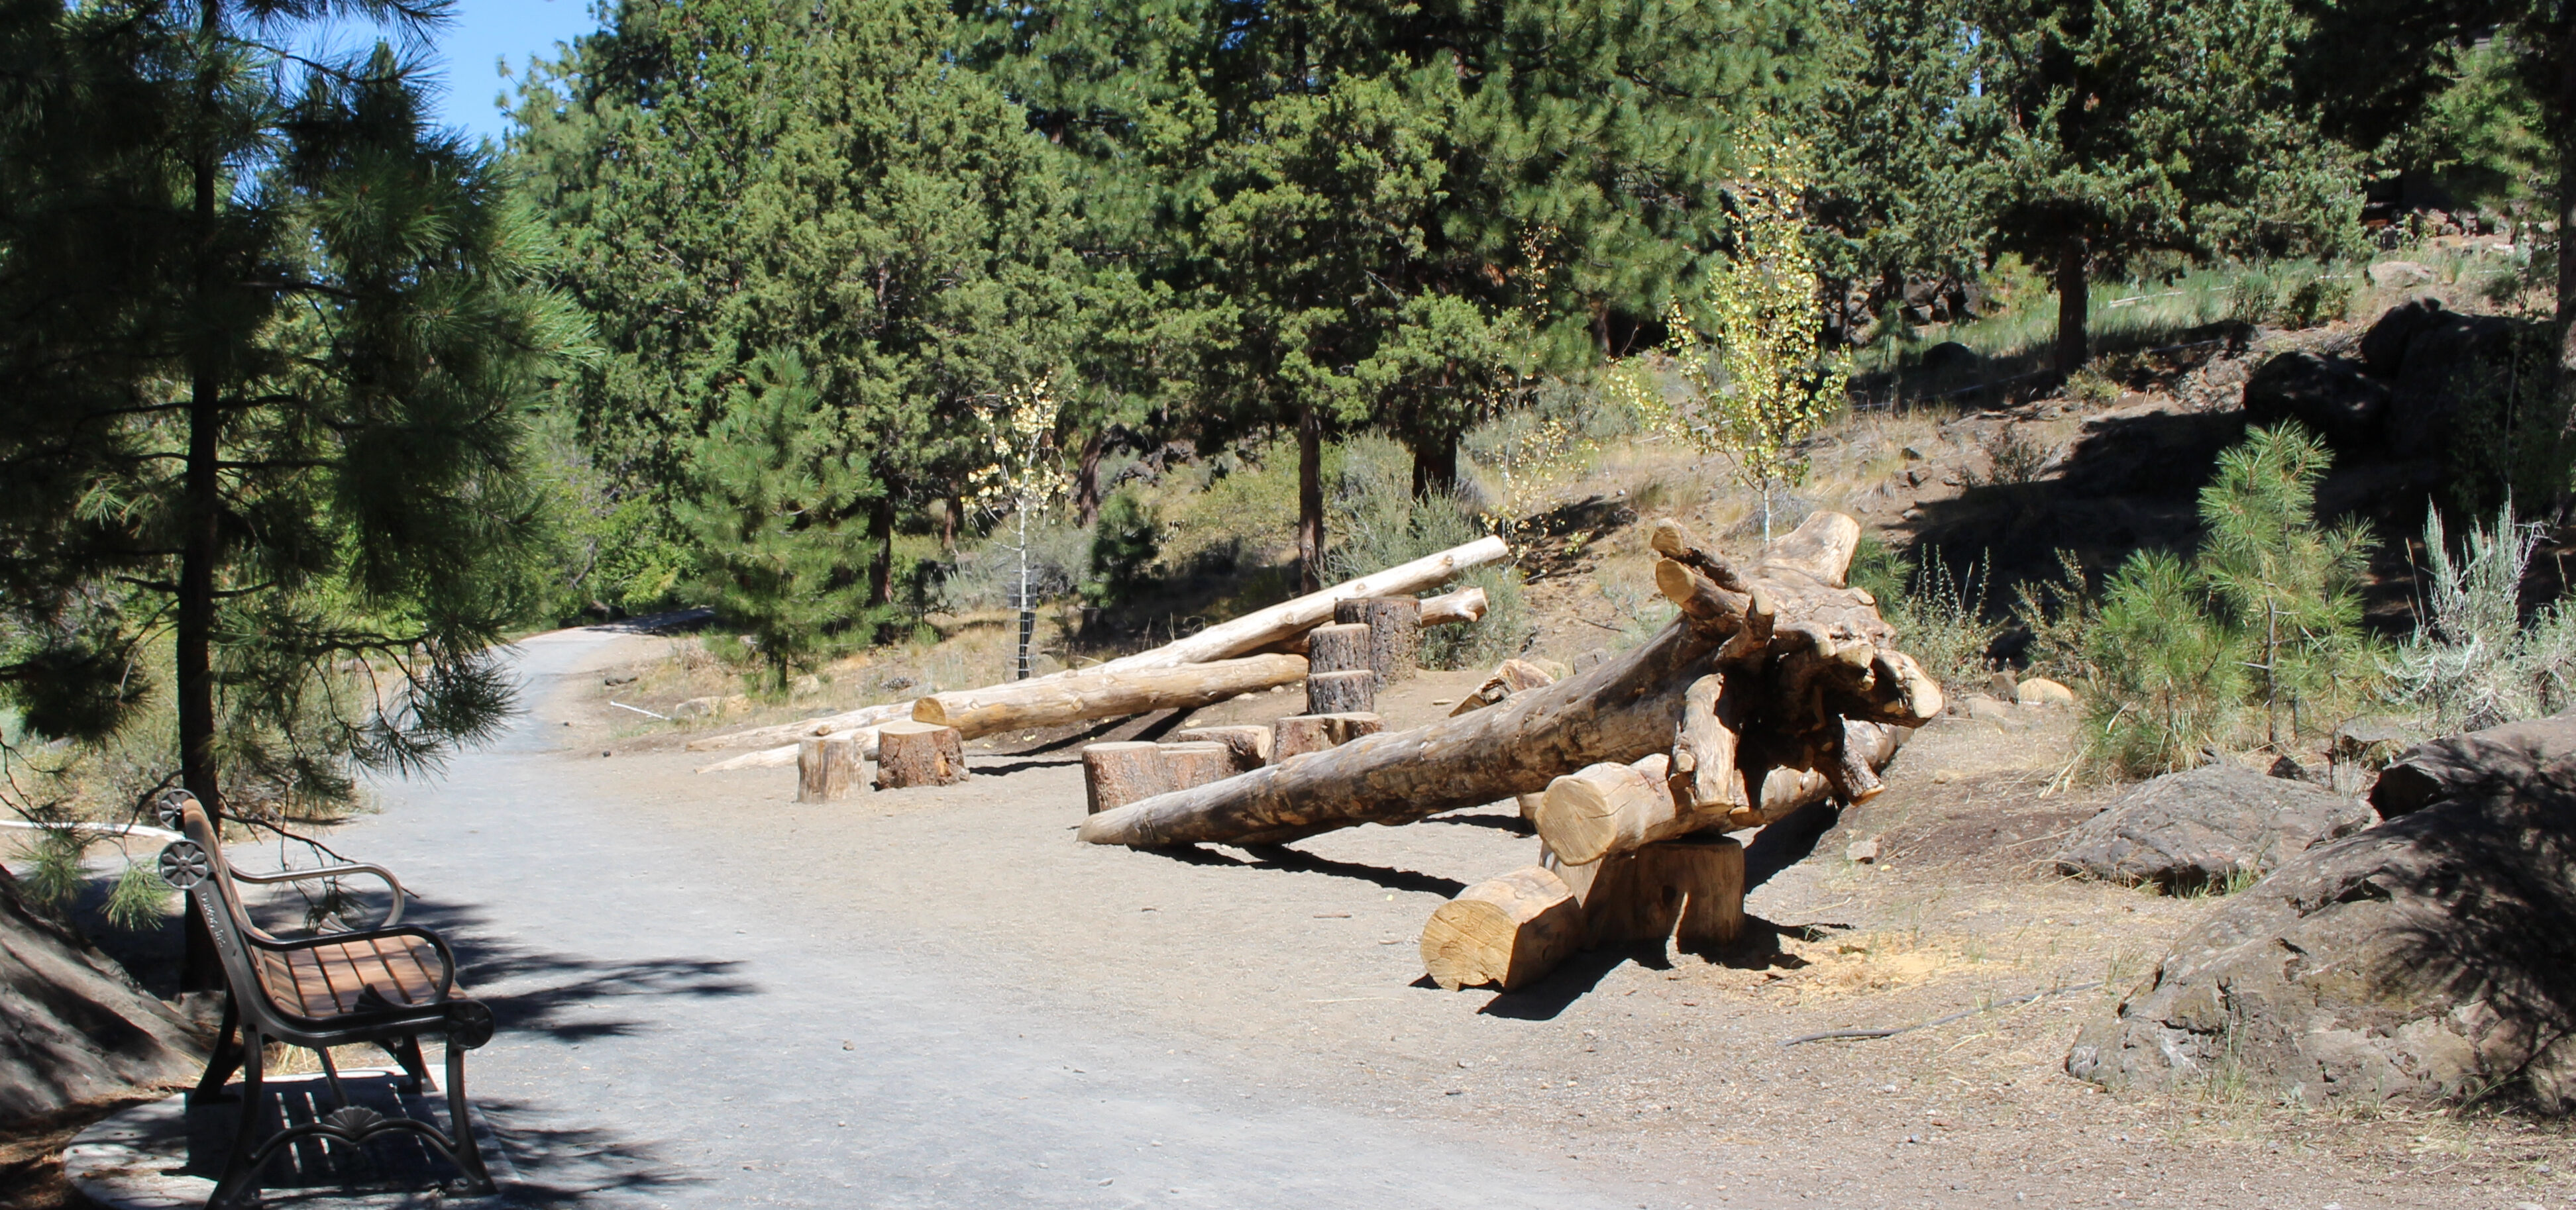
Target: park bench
x=385, y=986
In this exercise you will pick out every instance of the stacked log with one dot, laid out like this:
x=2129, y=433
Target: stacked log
x=1299, y=734
x=1274, y=628
x=1250, y=745
x=1508, y=931
x=1353, y=692
x=1811, y=654
x=1394, y=634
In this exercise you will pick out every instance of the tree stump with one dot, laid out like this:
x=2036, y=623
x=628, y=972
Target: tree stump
x=1707, y=872
x=1250, y=744
x=1298, y=734
x=1509, y=931
x=1196, y=764
x=828, y=768
x=1341, y=692
x=1120, y=773
x=919, y=754
x=1338, y=648
x=1395, y=634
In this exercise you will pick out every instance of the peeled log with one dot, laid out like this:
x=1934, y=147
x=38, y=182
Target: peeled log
x=1508, y=931
x=1813, y=657
x=1451, y=608
x=1251, y=632
x=1055, y=701
x=1608, y=808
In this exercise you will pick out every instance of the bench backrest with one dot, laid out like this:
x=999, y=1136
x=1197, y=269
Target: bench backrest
x=216, y=900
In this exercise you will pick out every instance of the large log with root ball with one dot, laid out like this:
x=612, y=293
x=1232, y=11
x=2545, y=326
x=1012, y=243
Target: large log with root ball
x=1055, y=701
x=1612, y=808
x=1810, y=653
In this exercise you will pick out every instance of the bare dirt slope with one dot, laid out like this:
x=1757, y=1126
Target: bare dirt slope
x=1298, y=968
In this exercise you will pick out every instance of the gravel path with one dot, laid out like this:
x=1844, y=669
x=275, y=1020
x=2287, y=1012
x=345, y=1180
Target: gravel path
x=672, y=1038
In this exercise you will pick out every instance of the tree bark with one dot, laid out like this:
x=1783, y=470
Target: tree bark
x=1197, y=763
x=881, y=536
x=1056, y=700
x=1707, y=874
x=2073, y=300
x=1086, y=477
x=1116, y=774
x=1352, y=692
x=1310, y=500
x=201, y=535
x=1508, y=931
x=828, y=769
x=1395, y=634
x=1299, y=734
x=1819, y=655
x=1341, y=647
x=919, y=754
x=1435, y=465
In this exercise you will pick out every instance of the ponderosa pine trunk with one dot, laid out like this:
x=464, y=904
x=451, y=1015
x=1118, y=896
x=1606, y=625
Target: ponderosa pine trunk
x=1086, y=478
x=2072, y=300
x=881, y=536
x=1310, y=500
x=1435, y=464
x=201, y=539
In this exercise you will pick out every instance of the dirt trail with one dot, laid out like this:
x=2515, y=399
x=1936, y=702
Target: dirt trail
x=1295, y=972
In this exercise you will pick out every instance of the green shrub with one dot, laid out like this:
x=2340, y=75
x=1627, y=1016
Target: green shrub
x=1939, y=617
x=1124, y=543
x=2473, y=661
x=2262, y=625
x=1375, y=523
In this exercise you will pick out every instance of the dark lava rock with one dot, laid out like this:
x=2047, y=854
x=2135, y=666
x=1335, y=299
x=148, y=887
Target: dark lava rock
x=2186, y=830
x=2330, y=395
x=1950, y=359
x=78, y=1030
x=2423, y=960
x=2383, y=347
x=2432, y=771
x=2450, y=363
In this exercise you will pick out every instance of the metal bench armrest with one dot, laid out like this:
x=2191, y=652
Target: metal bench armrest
x=393, y=915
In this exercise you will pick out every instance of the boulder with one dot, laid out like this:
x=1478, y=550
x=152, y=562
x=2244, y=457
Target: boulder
x=2330, y=395
x=2450, y=363
x=1952, y=360
x=80, y=1031
x=2435, y=770
x=2186, y=830
x=2383, y=347
x=2423, y=960
x=2041, y=691
x=2400, y=274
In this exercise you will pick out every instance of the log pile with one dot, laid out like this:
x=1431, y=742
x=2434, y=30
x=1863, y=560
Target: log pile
x=1197, y=670
x=1775, y=687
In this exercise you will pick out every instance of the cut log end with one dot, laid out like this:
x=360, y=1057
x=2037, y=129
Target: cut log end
x=1508, y=932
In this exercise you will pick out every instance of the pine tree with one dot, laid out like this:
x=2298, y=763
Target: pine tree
x=779, y=506
x=2137, y=125
x=1346, y=190
x=741, y=177
x=291, y=409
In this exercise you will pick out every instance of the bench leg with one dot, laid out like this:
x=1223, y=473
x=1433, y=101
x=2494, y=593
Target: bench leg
x=406, y=1051
x=224, y=1061
x=240, y=1184
x=460, y=1124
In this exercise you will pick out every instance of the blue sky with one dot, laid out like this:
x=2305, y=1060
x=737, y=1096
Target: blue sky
x=470, y=49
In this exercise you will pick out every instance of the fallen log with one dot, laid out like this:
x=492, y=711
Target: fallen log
x=1249, y=633
x=1055, y=701
x=1510, y=677
x=1613, y=808
x=1811, y=653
